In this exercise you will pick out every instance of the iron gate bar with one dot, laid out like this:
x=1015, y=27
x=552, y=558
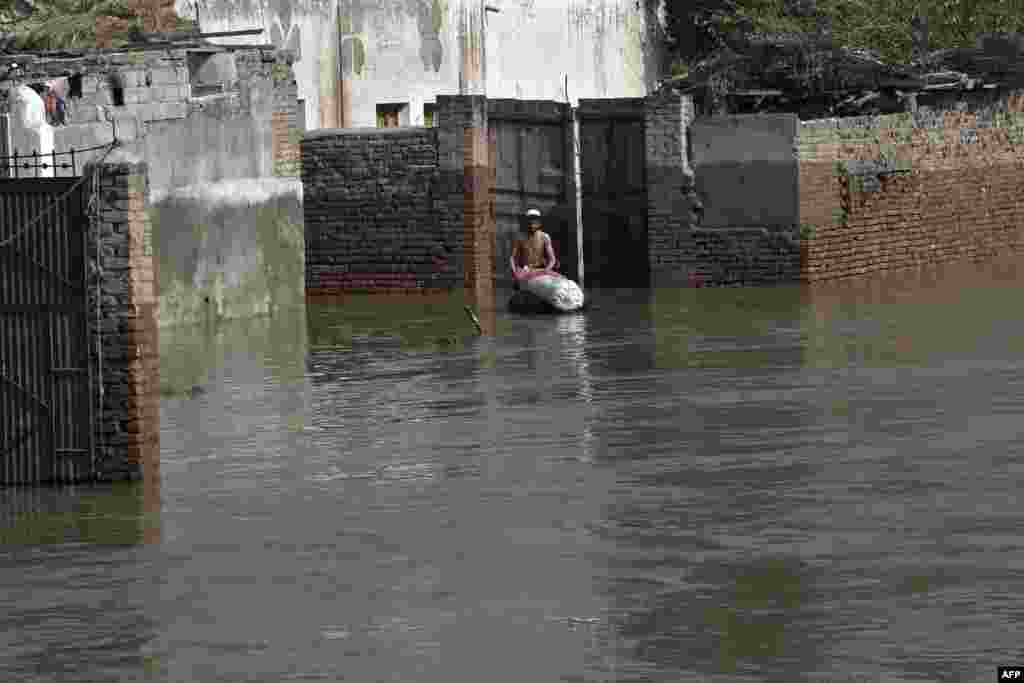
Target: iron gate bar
x=43, y=313
x=9, y=446
x=39, y=308
x=26, y=394
x=66, y=283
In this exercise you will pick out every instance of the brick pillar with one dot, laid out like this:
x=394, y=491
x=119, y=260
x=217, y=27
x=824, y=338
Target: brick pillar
x=670, y=202
x=467, y=205
x=286, y=134
x=128, y=367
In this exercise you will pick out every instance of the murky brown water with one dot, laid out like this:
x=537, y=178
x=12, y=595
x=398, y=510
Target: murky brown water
x=698, y=485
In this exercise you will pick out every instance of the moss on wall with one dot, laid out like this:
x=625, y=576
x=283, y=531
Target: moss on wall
x=219, y=260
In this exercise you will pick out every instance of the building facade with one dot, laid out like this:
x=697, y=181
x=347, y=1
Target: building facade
x=383, y=62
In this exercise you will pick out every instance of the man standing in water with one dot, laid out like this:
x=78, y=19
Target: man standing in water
x=535, y=251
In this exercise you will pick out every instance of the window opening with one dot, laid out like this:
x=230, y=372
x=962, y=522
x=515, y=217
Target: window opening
x=392, y=115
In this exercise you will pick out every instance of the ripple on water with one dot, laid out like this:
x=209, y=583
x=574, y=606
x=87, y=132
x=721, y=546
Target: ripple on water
x=712, y=486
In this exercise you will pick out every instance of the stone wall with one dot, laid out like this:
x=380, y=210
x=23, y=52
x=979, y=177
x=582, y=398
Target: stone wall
x=667, y=119
x=404, y=209
x=127, y=369
x=740, y=256
x=890, y=192
x=370, y=210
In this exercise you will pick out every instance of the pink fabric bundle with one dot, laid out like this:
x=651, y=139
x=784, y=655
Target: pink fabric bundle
x=531, y=274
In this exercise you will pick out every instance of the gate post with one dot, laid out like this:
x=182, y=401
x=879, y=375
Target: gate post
x=577, y=190
x=123, y=322
x=667, y=118
x=466, y=164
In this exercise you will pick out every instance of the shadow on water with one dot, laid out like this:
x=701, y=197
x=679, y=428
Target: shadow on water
x=122, y=514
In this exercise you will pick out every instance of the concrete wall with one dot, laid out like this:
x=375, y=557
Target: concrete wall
x=356, y=54
x=746, y=170
x=229, y=250
x=722, y=207
x=890, y=192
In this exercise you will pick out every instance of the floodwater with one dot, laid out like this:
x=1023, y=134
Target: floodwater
x=690, y=485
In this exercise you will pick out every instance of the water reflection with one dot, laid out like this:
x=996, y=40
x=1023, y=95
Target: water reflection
x=703, y=576
x=75, y=581
x=688, y=485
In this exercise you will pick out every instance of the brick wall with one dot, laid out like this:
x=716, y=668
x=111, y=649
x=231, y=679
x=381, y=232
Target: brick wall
x=402, y=209
x=669, y=175
x=285, y=120
x=467, y=174
x=128, y=367
x=370, y=204
x=890, y=192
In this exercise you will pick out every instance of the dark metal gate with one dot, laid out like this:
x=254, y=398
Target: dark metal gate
x=533, y=169
x=46, y=411
x=614, y=192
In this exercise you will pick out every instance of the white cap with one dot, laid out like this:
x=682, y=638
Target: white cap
x=533, y=213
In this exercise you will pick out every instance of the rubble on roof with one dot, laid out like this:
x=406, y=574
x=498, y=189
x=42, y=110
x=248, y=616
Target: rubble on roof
x=807, y=75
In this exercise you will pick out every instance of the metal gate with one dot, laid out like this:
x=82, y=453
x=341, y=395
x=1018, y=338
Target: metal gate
x=533, y=169
x=614, y=192
x=46, y=411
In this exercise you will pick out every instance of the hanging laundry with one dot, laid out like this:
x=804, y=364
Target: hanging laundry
x=59, y=88
x=50, y=103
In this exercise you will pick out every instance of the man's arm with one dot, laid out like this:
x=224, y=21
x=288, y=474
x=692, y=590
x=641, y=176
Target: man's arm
x=512, y=258
x=549, y=253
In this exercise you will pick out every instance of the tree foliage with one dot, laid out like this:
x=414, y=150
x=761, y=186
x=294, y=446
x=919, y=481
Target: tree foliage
x=699, y=27
x=57, y=24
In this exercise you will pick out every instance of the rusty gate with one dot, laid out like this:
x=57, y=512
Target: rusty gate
x=46, y=411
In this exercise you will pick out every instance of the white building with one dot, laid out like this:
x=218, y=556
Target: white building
x=382, y=62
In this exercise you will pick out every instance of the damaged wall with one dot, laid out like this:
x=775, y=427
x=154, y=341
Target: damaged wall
x=746, y=170
x=356, y=54
x=729, y=214
x=889, y=192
